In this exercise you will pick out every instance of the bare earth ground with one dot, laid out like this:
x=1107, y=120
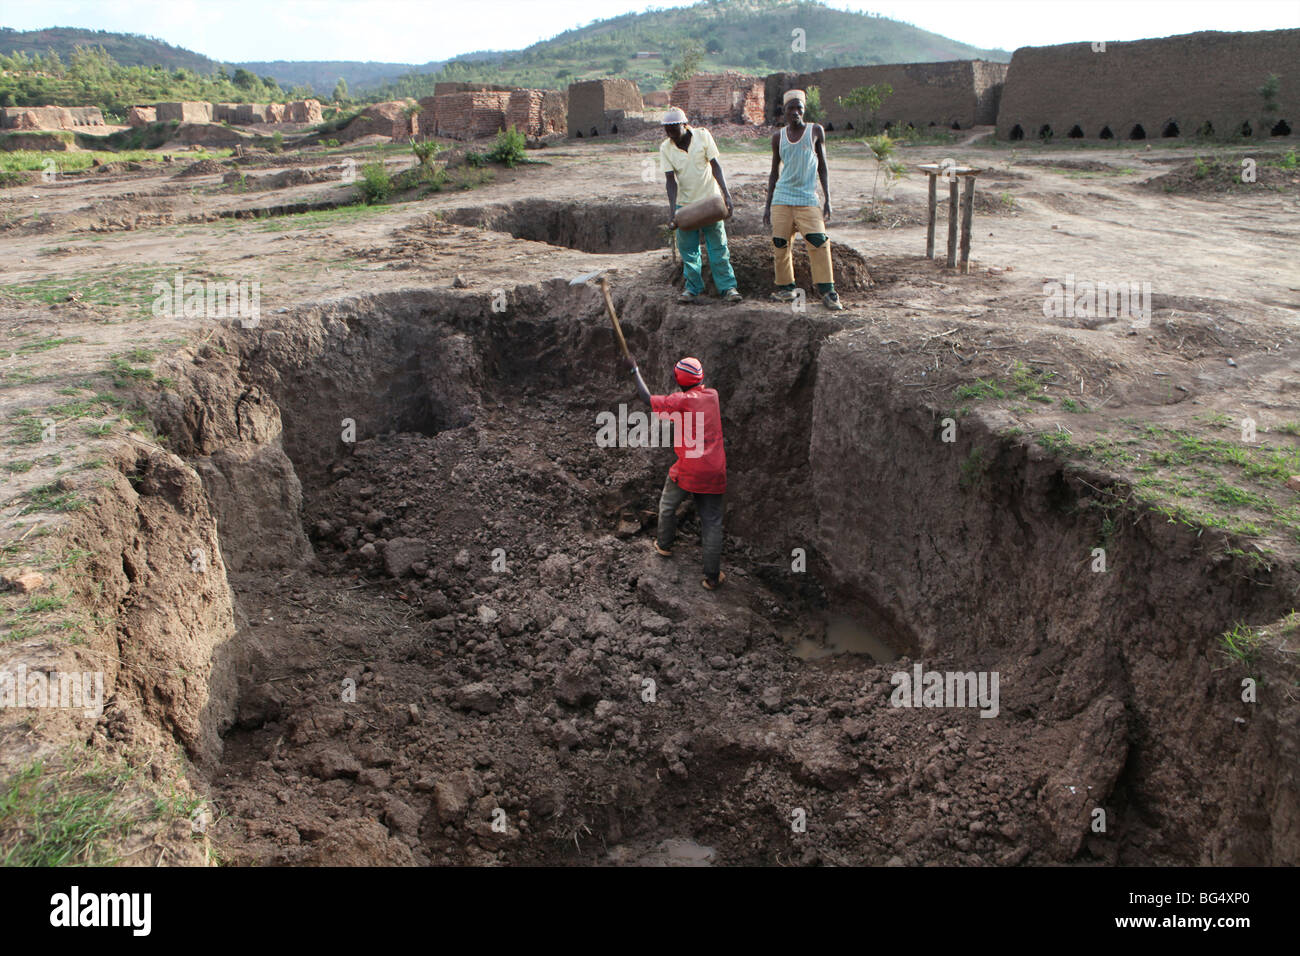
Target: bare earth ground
x=478, y=691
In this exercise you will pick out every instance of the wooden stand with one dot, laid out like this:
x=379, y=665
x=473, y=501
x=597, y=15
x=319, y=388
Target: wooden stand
x=953, y=174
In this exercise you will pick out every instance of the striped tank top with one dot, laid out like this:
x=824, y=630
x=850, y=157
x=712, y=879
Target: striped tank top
x=797, y=185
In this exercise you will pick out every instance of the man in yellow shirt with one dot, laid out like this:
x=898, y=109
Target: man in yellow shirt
x=689, y=159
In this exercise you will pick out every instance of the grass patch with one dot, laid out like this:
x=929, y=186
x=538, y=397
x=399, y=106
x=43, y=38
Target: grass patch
x=44, y=345
x=51, y=497
x=131, y=288
x=1241, y=644
x=67, y=816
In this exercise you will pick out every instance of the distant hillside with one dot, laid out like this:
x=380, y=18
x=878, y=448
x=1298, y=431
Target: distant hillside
x=128, y=49
x=132, y=49
x=751, y=36
x=321, y=75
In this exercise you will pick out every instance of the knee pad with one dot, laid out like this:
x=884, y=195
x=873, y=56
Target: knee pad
x=817, y=239
x=779, y=242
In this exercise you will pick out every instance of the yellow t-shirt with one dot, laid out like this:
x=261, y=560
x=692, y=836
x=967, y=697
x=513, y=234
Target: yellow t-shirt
x=692, y=168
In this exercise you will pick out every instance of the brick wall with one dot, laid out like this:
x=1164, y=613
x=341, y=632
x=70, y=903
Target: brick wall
x=591, y=101
x=184, y=112
x=50, y=117
x=246, y=113
x=925, y=94
x=529, y=112
x=1184, y=80
x=470, y=115
x=302, y=111
x=721, y=98
x=141, y=115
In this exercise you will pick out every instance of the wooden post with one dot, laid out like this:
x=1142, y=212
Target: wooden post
x=952, y=223
x=967, y=208
x=929, y=230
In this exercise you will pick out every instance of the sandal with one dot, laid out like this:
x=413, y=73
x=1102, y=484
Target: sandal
x=713, y=585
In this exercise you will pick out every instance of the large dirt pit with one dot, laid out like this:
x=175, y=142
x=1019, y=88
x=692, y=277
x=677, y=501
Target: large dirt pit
x=431, y=629
x=486, y=662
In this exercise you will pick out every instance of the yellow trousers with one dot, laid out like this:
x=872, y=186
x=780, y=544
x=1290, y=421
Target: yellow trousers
x=805, y=220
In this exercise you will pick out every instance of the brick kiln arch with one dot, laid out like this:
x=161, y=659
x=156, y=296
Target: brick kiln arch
x=1076, y=132
x=1280, y=128
x=1170, y=130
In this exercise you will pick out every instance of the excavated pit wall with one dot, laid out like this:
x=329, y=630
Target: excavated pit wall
x=984, y=547
x=827, y=452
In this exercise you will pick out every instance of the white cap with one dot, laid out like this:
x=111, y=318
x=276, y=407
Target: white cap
x=673, y=116
x=794, y=95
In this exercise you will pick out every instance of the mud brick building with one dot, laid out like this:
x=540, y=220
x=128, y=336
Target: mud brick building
x=302, y=111
x=249, y=113
x=955, y=94
x=537, y=112
x=469, y=115
x=50, y=117
x=721, y=98
x=598, y=107
x=1148, y=89
x=184, y=112
x=141, y=116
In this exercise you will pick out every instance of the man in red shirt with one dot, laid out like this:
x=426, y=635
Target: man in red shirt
x=701, y=468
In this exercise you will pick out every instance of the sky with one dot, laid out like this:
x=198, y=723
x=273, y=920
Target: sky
x=419, y=31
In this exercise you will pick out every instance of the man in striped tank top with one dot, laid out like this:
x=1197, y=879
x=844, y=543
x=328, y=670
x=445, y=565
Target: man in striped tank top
x=798, y=162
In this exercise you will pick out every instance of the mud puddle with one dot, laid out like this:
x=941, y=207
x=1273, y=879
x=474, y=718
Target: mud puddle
x=842, y=634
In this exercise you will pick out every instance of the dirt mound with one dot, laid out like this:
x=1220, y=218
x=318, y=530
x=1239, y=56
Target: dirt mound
x=1201, y=176
x=109, y=168
x=204, y=167
x=389, y=120
x=751, y=258
x=1087, y=165
x=290, y=177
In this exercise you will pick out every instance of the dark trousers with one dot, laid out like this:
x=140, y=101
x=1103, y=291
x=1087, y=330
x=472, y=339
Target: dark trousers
x=709, y=508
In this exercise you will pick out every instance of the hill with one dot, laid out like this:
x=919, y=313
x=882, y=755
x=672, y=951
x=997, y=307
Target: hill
x=751, y=36
x=321, y=75
x=127, y=49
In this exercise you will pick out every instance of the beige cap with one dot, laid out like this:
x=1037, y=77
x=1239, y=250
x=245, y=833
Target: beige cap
x=794, y=95
x=673, y=116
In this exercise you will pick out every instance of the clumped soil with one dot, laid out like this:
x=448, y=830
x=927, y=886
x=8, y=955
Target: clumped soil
x=1220, y=176
x=751, y=261
x=522, y=686
x=204, y=167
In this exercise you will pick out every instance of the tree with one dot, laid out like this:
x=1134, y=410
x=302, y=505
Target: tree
x=618, y=65
x=245, y=79
x=864, y=102
x=341, y=91
x=888, y=169
x=687, y=65
x=713, y=46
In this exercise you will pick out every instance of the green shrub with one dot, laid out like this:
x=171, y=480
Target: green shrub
x=509, y=150
x=426, y=151
x=475, y=159
x=375, y=185
x=812, y=110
